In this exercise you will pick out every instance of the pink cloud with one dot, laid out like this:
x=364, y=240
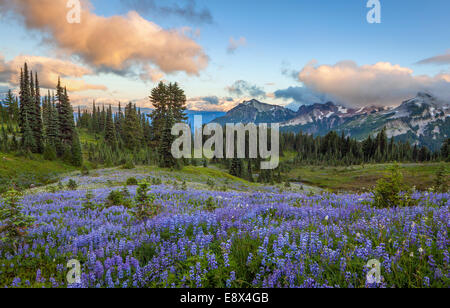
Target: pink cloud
x=120, y=44
x=48, y=72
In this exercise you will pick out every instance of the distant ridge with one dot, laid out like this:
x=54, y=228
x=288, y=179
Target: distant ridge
x=422, y=120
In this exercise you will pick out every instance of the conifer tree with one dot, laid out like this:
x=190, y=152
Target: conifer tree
x=110, y=132
x=77, y=156
x=165, y=146
x=37, y=116
x=131, y=129
x=28, y=143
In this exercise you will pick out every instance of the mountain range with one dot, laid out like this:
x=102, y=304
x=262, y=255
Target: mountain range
x=422, y=120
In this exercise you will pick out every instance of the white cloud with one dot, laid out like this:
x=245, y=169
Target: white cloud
x=383, y=83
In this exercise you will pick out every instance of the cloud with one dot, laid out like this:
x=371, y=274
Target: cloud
x=381, y=84
x=243, y=88
x=302, y=95
x=202, y=103
x=118, y=44
x=286, y=70
x=233, y=44
x=189, y=11
x=213, y=100
x=440, y=59
x=211, y=103
x=48, y=72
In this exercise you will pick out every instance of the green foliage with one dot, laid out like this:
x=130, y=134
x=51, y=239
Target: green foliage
x=50, y=153
x=14, y=223
x=132, y=181
x=440, y=182
x=84, y=170
x=88, y=205
x=116, y=198
x=72, y=184
x=210, y=182
x=210, y=204
x=129, y=164
x=156, y=181
x=391, y=190
x=145, y=206
x=77, y=156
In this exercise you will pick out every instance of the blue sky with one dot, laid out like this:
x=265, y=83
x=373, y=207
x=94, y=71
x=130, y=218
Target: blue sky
x=279, y=36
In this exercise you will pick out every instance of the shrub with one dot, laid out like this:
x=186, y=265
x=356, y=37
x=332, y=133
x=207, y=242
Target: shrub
x=440, y=182
x=52, y=189
x=391, y=190
x=88, y=205
x=84, y=171
x=210, y=183
x=72, y=184
x=115, y=197
x=210, y=204
x=132, y=182
x=184, y=186
x=50, y=153
x=156, y=181
x=145, y=203
x=14, y=222
x=60, y=186
x=129, y=165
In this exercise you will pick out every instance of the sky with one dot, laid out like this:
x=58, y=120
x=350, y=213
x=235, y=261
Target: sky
x=224, y=52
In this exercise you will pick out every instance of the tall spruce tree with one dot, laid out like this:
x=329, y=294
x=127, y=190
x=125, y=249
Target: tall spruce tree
x=110, y=132
x=165, y=146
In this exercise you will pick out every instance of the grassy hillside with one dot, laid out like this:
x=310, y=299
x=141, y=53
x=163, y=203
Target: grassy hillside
x=362, y=178
x=24, y=172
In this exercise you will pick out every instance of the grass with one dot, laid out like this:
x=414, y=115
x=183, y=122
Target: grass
x=213, y=173
x=362, y=178
x=86, y=137
x=24, y=172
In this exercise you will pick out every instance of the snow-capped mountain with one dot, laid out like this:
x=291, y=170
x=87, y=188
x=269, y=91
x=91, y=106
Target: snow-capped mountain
x=422, y=120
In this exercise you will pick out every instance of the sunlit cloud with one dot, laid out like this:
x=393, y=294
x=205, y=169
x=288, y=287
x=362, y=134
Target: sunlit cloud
x=49, y=70
x=383, y=83
x=118, y=44
x=211, y=103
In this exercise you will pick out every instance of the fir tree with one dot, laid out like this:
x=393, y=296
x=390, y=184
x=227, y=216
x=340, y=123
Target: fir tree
x=165, y=145
x=110, y=132
x=77, y=156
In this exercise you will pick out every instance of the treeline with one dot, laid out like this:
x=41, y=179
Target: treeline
x=32, y=124
x=334, y=149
